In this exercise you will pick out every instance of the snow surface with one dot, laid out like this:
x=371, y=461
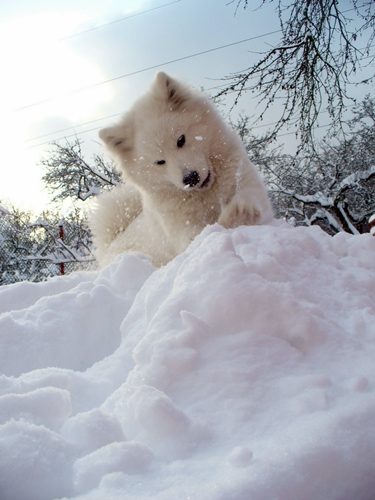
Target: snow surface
x=243, y=370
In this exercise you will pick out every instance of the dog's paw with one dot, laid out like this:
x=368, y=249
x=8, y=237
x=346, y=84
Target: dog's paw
x=240, y=212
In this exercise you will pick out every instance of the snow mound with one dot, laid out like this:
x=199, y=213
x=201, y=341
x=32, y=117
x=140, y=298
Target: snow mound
x=245, y=368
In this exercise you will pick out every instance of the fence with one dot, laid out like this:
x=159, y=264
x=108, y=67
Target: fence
x=35, y=251
x=371, y=224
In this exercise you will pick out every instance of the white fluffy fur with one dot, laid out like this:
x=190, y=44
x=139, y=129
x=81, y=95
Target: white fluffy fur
x=158, y=211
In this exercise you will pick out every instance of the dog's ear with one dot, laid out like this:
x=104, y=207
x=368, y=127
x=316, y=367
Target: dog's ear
x=118, y=138
x=171, y=90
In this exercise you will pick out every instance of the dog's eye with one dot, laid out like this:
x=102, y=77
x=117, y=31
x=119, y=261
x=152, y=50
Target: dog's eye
x=181, y=141
x=160, y=162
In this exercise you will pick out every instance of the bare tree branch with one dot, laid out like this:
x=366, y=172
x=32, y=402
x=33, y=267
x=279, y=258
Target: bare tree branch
x=68, y=175
x=311, y=67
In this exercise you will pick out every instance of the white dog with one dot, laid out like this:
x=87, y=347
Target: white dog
x=183, y=168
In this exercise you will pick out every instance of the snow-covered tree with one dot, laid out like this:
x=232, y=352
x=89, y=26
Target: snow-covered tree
x=35, y=248
x=322, y=47
x=69, y=175
x=332, y=185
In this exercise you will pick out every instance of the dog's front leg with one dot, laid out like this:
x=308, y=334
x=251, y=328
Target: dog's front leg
x=241, y=210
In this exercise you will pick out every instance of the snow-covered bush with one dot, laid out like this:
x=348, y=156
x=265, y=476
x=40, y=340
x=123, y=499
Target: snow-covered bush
x=331, y=185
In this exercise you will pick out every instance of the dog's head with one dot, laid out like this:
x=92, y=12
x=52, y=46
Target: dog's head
x=166, y=138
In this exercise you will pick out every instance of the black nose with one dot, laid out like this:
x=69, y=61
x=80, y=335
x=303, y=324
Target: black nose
x=191, y=179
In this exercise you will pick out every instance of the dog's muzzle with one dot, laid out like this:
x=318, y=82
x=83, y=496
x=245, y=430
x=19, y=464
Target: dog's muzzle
x=193, y=179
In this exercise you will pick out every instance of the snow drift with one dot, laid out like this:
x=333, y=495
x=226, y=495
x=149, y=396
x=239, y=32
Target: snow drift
x=244, y=369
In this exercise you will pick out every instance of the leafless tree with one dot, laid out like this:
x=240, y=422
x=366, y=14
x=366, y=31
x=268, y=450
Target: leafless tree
x=323, y=45
x=69, y=175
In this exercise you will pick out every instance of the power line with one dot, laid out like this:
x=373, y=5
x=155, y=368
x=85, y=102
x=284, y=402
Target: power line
x=118, y=20
x=98, y=128
x=73, y=127
x=136, y=72
x=88, y=123
x=64, y=137
x=148, y=69
x=139, y=14
x=117, y=114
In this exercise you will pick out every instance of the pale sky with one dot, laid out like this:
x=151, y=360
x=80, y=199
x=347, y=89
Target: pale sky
x=56, y=54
